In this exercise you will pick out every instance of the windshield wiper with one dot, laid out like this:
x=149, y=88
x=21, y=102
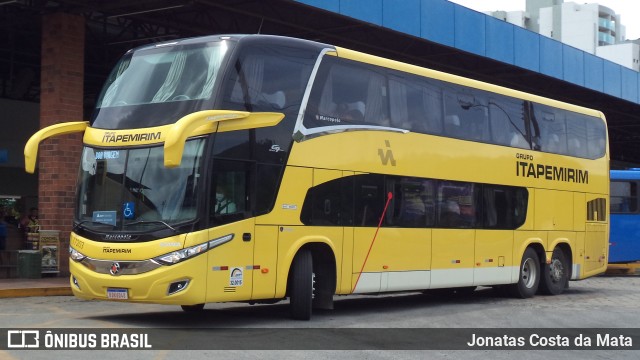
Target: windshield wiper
x=77, y=226
x=152, y=222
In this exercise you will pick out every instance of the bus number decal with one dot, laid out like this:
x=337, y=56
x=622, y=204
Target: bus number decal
x=235, y=277
x=79, y=244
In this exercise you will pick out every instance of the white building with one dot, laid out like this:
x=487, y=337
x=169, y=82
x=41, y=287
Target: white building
x=593, y=28
x=626, y=54
x=518, y=18
x=584, y=26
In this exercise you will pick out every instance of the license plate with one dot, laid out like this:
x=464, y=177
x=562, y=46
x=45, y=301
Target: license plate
x=117, y=294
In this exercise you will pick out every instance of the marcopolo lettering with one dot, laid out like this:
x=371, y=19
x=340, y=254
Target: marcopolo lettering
x=118, y=237
x=551, y=172
x=111, y=136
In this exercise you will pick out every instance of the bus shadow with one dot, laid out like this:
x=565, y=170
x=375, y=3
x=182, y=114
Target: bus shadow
x=277, y=315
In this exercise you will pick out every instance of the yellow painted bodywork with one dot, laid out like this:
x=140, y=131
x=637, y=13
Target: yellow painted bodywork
x=556, y=212
x=31, y=148
x=173, y=136
x=228, y=120
x=147, y=287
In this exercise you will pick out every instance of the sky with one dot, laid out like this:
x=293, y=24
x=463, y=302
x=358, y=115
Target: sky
x=628, y=9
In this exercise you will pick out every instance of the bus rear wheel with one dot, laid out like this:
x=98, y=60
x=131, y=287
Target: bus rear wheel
x=555, y=275
x=301, y=286
x=528, y=276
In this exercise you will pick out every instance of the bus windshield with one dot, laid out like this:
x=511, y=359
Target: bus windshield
x=160, y=84
x=131, y=190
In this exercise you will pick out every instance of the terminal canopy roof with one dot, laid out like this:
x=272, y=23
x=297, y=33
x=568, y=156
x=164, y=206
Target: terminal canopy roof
x=431, y=33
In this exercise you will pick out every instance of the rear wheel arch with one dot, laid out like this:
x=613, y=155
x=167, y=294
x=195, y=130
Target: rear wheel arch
x=557, y=272
x=324, y=263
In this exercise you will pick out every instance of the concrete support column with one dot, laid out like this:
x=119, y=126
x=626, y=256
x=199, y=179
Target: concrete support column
x=61, y=100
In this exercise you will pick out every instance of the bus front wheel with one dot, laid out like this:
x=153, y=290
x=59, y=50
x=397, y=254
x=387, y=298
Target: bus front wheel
x=555, y=275
x=528, y=275
x=301, y=286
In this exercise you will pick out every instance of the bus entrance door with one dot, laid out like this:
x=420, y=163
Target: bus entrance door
x=230, y=265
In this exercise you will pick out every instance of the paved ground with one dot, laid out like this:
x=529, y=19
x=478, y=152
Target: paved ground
x=597, y=303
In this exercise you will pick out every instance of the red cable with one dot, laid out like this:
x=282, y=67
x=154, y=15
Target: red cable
x=389, y=197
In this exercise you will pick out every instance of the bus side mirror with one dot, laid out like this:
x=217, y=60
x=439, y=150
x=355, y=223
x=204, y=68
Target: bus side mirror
x=208, y=121
x=31, y=148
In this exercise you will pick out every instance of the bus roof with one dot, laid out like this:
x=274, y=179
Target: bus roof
x=234, y=37
x=629, y=174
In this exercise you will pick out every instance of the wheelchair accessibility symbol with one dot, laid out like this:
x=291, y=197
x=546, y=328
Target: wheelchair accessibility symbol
x=128, y=210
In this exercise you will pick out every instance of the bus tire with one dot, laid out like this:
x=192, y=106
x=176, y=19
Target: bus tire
x=301, y=287
x=528, y=276
x=192, y=308
x=555, y=276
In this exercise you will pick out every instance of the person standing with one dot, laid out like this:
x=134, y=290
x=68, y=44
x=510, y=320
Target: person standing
x=30, y=226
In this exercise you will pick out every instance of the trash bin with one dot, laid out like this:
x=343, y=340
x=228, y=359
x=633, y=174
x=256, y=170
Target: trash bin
x=29, y=264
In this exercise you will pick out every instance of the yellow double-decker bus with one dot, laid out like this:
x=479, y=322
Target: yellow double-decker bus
x=259, y=168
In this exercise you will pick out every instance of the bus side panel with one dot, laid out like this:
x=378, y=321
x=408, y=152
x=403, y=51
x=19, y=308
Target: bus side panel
x=286, y=211
x=596, y=240
x=452, y=258
x=579, y=211
x=553, y=210
x=345, y=286
x=265, y=256
x=595, y=249
x=493, y=250
x=578, y=257
x=398, y=259
x=406, y=258
x=345, y=273
x=365, y=261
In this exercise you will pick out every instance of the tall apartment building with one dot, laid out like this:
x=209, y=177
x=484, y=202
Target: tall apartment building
x=584, y=26
x=593, y=28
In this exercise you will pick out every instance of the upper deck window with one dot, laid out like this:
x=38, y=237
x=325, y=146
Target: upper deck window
x=164, y=74
x=350, y=95
x=158, y=85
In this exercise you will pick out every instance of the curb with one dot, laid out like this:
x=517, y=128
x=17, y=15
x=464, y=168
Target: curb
x=28, y=292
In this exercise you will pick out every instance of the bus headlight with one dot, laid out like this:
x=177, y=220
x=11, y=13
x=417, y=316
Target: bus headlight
x=184, y=254
x=180, y=255
x=75, y=254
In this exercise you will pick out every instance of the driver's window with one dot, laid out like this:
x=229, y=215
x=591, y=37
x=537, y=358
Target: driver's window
x=229, y=196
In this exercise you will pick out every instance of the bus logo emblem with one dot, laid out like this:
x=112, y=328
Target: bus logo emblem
x=386, y=156
x=275, y=148
x=115, y=268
